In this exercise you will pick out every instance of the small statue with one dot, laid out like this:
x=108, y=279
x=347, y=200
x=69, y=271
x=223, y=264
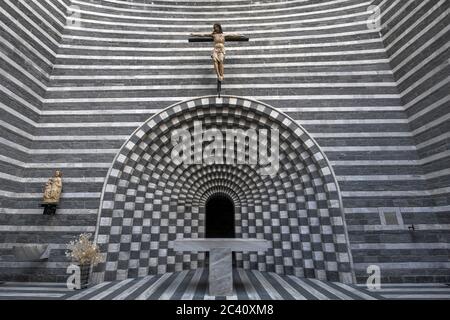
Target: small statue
x=52, y=193
x=219, y=52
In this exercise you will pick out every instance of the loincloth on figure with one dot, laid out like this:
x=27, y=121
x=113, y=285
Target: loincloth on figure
x=219, y=53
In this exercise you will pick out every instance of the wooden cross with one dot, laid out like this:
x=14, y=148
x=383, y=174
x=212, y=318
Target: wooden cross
x=219, y=38
x=228, y=38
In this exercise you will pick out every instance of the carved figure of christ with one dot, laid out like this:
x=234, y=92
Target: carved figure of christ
x=218, y=55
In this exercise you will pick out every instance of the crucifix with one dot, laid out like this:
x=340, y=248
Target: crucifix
x=218, y=55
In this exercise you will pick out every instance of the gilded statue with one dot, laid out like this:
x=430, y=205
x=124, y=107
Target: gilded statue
x=53, y=189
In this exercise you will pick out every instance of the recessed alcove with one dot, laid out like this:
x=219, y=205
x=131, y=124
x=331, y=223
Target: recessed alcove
x=220, y=217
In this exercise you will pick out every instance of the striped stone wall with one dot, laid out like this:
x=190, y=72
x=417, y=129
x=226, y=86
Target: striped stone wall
x=30, y=35
x=120, y=62
x=416, y=36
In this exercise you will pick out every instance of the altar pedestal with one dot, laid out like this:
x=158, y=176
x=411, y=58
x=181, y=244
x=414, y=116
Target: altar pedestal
x=220, y=258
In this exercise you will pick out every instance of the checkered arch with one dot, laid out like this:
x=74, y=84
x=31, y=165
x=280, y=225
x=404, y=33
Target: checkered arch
x=149, y=200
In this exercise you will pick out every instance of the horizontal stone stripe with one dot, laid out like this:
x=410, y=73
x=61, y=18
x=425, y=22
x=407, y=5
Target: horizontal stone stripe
x=202, y=24
x=318, y=135
x=345, y=194
x=407, y=193
x=47, y=265
x=71, y=151
x=53, y=15
x=422, y=65
x=438, y=174
x=399, y=246
x=380, y=177
x=30, y=228
x=416, y=291
x=374, y=211
x=269, y=64
x=431, y=124
x=91, y=37
x=37, y=27
x=20, y=39
x=388, y=11
x=7, y=176
x=184, y=19
x=429, y=108
x=50, y=165
x=254, y=32
x=336, y=97
x=30, y=291
x=413, y=56
x=435, y=157
x=73, y=138
x=17, y=131
x=65, y=195
x=101, y=10
x=24, y=295
x=376, y=163
x=228, y=4
x=403, y=209
x=441, y=85
x=130, y=57
x=39, y=82
x=413, y=25
x=391, y=162
x=290, y=46
x=393, y=13
x=417, y=296
x=41, y=70
x=152, y=111
x=67, y=151
x=404, y=265
x=423, y=80
x=20, y=88
x=230, y=86
x=399, y=66
x=266, y=98
x=20, y=100
x=418, y=227
x=209, y=76
x=63, y=211
x=100, y=180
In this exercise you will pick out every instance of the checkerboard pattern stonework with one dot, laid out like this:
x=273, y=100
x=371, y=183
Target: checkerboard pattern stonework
x=148, y=201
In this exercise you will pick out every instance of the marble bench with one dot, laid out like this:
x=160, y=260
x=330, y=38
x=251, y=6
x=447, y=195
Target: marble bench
x=220, y=258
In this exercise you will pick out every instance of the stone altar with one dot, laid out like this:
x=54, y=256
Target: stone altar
x=220, y=258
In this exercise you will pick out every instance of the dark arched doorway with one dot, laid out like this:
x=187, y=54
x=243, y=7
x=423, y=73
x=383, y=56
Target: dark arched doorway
x=220, y=220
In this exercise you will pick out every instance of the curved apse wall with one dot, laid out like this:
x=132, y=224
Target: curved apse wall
x=116, y=63
x=416, y=36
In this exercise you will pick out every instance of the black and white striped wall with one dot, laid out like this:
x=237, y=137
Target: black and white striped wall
x=70, y=103
x=30, y=35
x=416, y=36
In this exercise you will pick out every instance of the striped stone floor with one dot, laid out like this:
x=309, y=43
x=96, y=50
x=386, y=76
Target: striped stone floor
x=33, y=291
x=249, y=285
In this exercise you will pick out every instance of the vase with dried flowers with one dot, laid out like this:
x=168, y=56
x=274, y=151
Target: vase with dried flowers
x=85, y=254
